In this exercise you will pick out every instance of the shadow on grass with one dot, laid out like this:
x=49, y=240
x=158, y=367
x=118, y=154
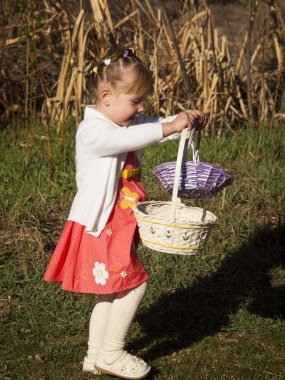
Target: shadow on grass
x=178, y=320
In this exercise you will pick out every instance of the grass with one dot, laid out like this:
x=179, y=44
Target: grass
x=219, y=315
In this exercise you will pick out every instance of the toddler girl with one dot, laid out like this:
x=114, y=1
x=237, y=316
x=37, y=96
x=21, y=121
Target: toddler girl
x=96, y=252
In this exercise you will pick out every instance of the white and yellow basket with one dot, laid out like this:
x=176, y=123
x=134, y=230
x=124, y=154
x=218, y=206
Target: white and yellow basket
x=173, y=227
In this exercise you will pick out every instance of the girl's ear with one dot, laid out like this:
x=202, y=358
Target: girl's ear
x=105, y=95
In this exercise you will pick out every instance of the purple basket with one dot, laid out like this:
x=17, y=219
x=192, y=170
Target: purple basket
x=197, y=179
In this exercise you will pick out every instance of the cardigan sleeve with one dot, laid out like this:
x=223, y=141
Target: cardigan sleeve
x=103, y=138
x=153, y=119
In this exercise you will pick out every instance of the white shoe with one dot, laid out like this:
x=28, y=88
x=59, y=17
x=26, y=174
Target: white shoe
x=126, y=367
x=88, y=366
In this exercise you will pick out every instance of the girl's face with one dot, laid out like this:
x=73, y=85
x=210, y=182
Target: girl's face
x=124, y=107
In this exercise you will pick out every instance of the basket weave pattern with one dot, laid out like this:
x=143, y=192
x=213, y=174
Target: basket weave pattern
x=197, y=179
x=173, y=227
x=187, y=235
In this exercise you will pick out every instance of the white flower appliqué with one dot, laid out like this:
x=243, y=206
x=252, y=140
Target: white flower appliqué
x=100, y=273
x=123, y=274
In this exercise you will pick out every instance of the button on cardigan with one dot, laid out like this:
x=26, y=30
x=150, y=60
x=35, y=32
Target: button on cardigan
x=101, y=150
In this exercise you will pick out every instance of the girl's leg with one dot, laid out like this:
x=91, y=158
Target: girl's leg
x=112, y=358
x=97, y=326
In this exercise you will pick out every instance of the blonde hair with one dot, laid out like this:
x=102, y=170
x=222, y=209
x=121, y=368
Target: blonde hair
x=113, y=69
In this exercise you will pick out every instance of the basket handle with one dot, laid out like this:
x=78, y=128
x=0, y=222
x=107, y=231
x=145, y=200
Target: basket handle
x=195, y=151
x=186, y=140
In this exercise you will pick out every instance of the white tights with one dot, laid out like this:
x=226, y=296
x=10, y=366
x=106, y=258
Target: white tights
x=110, y=321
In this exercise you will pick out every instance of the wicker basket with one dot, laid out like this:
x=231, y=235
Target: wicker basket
x=173, y=227
x=197, y=179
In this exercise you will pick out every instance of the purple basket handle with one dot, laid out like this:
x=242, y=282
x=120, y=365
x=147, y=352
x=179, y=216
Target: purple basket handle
x=186, y=140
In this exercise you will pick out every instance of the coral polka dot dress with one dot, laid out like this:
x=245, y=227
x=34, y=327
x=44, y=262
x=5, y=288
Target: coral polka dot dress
x=106, y=264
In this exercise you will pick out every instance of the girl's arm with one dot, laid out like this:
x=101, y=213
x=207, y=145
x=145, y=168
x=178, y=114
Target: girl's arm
x=106, y=139
x=142, y=119
x=183, y=120
x=102, y=138
x=173, y=125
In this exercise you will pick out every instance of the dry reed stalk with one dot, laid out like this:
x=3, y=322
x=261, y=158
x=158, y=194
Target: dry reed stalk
x=11, y=41
x=276, y=39
x=97, y=17
x=236, y=87
x=127, y=18
x=192, y=23
x=159, y=18
x=58, y=101
x=211, y=94
x=280, y=57
x=196, y=62
x=228, y=104
x=213, y=39
x=171, y=95
x=55, y=102
x=139, y=5
x=170, y=30
x=81, y=51
x=102, y=29
x=65, y=60
x=140, y=40
x=248, y=62
x=155, y=70
x=216, y=40
x=205, y=85
x=224, y=42
x=255, y=54
x=34, y=36
x=236, y=112
x=106, y=11
x=66, y=101
x=184, y=31
x=152, y=12
x=199, y=16
x=275, y=100
x=241, y=53
x=241, y=102
x=87, y=69
x=279, y=116
x=279, y=53
x=263, y=106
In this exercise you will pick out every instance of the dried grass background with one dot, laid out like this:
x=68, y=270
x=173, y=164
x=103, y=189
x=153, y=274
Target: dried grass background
x=48, y=48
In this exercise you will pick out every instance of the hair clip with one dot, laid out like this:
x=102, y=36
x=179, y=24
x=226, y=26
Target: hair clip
x=107, y=61
x=127, y=52
x=94, y=70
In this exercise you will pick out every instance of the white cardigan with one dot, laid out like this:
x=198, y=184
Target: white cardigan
x=101, y=150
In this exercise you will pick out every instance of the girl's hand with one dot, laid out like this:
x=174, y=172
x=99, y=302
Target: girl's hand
x=183, y=120
x=201, y=119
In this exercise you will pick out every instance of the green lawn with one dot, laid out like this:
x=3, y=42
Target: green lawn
x=218, y=315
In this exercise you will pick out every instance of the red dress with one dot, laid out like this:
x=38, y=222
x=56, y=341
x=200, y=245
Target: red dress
x=106, y=264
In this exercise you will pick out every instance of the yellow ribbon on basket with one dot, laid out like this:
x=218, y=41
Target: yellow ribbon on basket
x=173, y=225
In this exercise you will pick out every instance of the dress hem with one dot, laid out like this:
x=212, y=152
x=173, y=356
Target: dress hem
x=69, y=289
